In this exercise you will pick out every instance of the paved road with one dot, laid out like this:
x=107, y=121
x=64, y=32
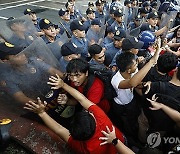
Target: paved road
x=44, y=8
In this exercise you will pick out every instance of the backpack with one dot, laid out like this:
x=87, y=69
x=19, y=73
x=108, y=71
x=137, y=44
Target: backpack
x=105, y=75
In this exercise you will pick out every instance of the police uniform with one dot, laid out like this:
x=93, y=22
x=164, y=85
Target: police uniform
x=111, y=50
x=87, y=23
x=26, y=37
x=64, y=25
x=29, y=12
x=100, y=15
x=115, y=24
x=79, y=42
x=147, y=26
x=94, y=35
x=82, y=43
x=45, y=24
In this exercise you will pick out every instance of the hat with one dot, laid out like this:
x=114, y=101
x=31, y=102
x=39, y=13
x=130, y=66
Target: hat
x=68, y=4
x=7, y=48
x=142, y=10
x=153, y=4
x=131, y=42
x=118, y=13
x=145, y=27
x=91, y=4
x=45, y=24
x=113, y=9
x=77, y=25
x=127, y=2
x=138, y=17
x=119, y=34
x=98, y=2
x=70, y=48
x=145, y=4
x=28, y=11
x=152, y=15
x=96, y=22
x=62, y=12
x=110, y=29
x=89, y=11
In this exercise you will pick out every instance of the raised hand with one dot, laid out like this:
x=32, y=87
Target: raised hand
x=56, y=82
x=148, y=85
x=155, y=105
x=62, y=99
x=109, y=136
x=36, y=107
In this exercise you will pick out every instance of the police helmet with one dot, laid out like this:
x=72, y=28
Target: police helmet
x=148, y=38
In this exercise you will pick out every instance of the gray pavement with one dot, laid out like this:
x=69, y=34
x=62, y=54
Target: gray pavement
x=44, y=8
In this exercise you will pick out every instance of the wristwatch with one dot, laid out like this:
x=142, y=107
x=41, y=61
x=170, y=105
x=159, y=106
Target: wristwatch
x=115, y=141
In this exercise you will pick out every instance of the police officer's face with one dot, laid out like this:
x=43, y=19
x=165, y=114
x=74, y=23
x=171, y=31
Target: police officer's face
x=100, y=7
x=17, y=60
x=110, y=35
x=71, y=8
x=78, y=78
x=118, y=43
x=91, y=16
x=96, y=28
x=137, y=22
x=100, y=57
x=119, y=19
x=66, y=16
x=80, y=34
x=153, y=21
x=51, y=31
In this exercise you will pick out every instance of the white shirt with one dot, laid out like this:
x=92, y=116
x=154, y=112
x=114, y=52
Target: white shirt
x=124, y=96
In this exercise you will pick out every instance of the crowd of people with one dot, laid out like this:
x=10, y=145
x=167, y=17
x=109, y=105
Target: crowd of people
x=63, y=73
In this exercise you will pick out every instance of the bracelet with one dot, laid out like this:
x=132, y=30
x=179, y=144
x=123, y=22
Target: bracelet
x=115, y=141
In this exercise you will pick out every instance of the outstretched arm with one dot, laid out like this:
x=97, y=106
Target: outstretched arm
x=138, y=77
x=173, y=114
x=110, y=136
x=57, y=82
x=39, y=108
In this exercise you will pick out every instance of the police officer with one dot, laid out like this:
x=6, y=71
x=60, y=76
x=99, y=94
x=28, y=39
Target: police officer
x=94, y=35
x=74, y=13
x=135, y=23
x=109, y=37
x=24, y=80
x=115, y=46
x=151, y=25
x=35, y=19
x=90, y=13
x=78, y=37
x=65, y=22
x=49, y=31
x=69, y=51
x=99, y=13
x=22, y=36
x=118, y=23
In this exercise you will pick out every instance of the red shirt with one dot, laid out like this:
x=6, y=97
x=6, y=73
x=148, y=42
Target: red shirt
x=92, y=146
x=96, y=94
